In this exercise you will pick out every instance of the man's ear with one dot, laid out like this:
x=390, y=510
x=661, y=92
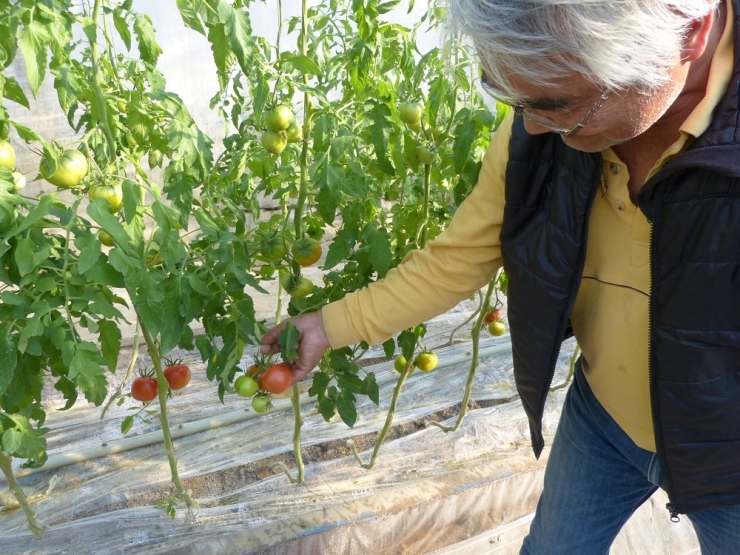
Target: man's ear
x=697, y=37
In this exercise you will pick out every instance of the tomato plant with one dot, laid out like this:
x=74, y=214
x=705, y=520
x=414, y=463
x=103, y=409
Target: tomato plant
x=276, y=379
x=177, y=375
x=144, y=388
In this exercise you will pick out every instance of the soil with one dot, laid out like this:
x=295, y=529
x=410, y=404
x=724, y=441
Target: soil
x=216, y=484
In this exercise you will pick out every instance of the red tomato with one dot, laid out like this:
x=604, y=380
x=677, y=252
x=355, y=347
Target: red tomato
x=276, y=379
x=144, y=388
x=492, y=316
x=178, y=375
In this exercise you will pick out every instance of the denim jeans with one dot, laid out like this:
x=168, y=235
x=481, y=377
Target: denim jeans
x=596, y=477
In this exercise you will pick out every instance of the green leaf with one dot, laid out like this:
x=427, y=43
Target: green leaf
x=24, y=251
x=12, y=440
x=33, y=44
x=8, y=359
x=90, y=28
x=89, y=255
x=389, y=348
x=127, y=423
x=341, y=247
x=13, y=91
x=87, y=373
x=172, y=322
x=190, y=15
x=465, y=134
x=407, y=341
x=222, y=54
x=110, y=342
x=238, y=31
x=379, y=244
x=67, y=84
x=149, y=50
x=288, y=342
x=302, y=63
x=119, y=22
x=131, y=197
x=346, y=408
x=370, y=388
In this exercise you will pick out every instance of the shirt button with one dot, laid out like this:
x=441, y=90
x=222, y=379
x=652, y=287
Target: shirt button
x=614, y=168
x=619, y=204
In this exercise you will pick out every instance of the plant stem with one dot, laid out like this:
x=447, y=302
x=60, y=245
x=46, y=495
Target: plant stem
x=388, y=420
x=425, y=217
x=473, y=363
x=163, y=388
x=296, y=402
x=34, y=524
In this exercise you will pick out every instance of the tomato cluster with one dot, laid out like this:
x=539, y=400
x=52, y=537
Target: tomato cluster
x=261, y=380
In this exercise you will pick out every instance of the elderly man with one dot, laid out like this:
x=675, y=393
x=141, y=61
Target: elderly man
x=613, y=204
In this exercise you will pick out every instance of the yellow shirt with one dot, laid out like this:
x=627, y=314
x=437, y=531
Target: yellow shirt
x=610, y=313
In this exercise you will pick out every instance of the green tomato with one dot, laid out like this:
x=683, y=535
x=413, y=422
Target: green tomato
x=112, y=193
x=296, y=287
x=294, y=132
x=273, y=247
x=426, y=155
x=7, y=155
x=410, y=112
x=70, y=170
x=274, y=141
x=261, y=402
x=400, y=363
x=105, y=238
x=246, y=386
x=279, y=118
x=19, y=180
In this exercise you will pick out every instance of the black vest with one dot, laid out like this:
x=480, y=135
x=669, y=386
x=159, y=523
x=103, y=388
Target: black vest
x=693, y=204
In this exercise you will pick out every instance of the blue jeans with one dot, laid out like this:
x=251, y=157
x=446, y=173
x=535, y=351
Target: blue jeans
x=596, y=477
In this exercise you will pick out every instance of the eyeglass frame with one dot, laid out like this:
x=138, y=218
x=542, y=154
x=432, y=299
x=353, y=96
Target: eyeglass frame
x=542, y=121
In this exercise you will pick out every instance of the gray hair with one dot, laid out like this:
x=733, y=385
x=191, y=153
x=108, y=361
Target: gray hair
x=611, y=43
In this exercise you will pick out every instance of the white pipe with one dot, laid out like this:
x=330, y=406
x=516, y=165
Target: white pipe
x=183, y=430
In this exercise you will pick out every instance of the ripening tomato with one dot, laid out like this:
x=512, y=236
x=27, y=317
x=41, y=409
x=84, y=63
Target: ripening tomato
x=71, y=168
x=246, y=386
x=426, y=155
x=492, y=316
x=261, y=402
x=254, y=369
x=144, y=388
x=279, y=118
x=306, y=251
x=105, y=238
x=497, y=328
x=426, y=361
x=276, y=379
x=178, y=375
x=294, y=132
x=410, y=112
x=7, y=155
x=112, y=193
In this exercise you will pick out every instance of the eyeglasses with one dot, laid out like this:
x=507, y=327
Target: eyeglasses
x=542, y=121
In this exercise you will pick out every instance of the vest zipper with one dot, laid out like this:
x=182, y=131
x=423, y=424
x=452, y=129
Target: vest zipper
x=672, y=509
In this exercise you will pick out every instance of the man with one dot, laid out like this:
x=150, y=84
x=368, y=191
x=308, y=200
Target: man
x=614, y=206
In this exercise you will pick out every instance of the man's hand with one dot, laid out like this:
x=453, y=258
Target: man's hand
x=312, y=343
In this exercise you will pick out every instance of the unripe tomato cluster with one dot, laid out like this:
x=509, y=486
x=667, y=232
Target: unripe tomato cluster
x=282, y=129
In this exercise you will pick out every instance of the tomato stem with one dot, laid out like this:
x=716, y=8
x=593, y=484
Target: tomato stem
x=163, y=388
x=388, y=419
x=34, y=524
x=295, y=399
x=474, y=362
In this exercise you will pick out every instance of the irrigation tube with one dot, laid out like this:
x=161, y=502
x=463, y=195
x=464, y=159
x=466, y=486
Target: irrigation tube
x=183, y=430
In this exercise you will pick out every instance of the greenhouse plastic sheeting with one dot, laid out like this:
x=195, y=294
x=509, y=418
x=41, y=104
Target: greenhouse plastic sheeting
x=426, y=491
